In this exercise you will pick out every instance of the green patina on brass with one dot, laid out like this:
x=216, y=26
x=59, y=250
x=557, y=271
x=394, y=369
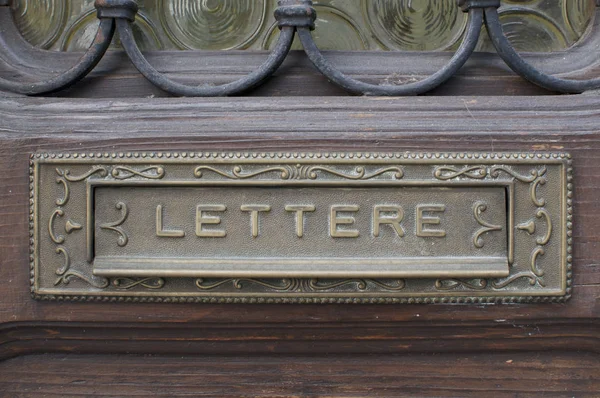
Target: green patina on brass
x=301, y=227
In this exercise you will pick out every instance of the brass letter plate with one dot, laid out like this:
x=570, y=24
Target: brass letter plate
x=301, y=227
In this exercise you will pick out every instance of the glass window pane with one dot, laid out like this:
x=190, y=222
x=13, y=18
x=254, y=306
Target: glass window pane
x=375, y=25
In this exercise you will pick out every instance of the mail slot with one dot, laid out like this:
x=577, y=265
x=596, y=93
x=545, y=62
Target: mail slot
x=388, y=231
x=301, y=227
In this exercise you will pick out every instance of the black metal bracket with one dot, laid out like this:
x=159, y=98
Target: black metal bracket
x=467, y=5
x=296, y=13
x=126, y=9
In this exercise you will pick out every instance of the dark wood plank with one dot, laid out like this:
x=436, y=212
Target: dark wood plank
x=530, y=374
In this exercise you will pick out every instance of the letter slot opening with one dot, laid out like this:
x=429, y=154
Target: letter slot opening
x=393, y=231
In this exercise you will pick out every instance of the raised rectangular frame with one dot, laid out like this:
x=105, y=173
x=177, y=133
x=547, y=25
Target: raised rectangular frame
x=527, y=281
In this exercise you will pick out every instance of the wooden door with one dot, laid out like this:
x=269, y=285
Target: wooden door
x=99, y=345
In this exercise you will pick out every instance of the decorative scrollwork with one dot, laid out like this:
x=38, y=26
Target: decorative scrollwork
x=446, y=173
x=479, y=208
x=299, y=172
x=125, y=173
x=534, y=256
x=534, y=174
x=361, y=284
x=64, y=177
x=321, y=285
x=303, y=285
x=67, y=261
x=534, y=275
x=502, y=284
x=58, y=239
x=203, y=285
x=360, y=173
x=451, y=284
x=65, y=199
x=397, y=284
x=100, y=283
x=533, y=192
x=530, y=227
x=116, y=226
x=66, y=274
x=238, y=174
x=238, y=283
x=102, y=171
x=130, y=283
x=543, y=240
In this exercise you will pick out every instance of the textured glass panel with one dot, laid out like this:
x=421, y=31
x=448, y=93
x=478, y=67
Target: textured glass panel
x=407, y=25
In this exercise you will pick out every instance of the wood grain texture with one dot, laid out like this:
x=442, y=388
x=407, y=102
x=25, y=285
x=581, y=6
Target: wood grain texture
x=560, y=374
x=561, y=334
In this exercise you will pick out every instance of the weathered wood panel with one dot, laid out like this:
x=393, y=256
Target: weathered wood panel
x=448, y=375
x=568, y=334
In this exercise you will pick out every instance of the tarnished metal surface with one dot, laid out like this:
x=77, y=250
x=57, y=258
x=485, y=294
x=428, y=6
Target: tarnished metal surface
x=329, y=227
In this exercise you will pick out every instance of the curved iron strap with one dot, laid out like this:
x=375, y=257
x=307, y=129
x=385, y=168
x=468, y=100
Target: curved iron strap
x=525, y=69
x=273, y=62
x=86, y=63
x=357, y=87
